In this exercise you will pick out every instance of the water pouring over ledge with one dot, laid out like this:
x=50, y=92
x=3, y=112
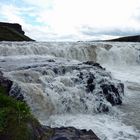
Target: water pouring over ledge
x=50, y=76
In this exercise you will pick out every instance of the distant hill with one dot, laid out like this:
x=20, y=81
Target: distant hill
x=12, y=32
x=135, y=38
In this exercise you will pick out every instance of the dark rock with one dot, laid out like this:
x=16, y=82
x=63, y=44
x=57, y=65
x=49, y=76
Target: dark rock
x=71, y=133
x=93, y=64
x=81, y=75
x=120, y=87
x=90, y=87
x=51, y=60
x=99, y=83
x=90, y=83
x=103, y=108
x=112, y=94
x=14, y=26
x=60, y=138
x=4, y=82
x=63, y=71
x=55, y=70
x=16, y=92
x=12, y=32
x=12, y=89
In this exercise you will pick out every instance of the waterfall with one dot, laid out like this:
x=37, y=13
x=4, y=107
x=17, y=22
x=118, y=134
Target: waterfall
x=62, y=81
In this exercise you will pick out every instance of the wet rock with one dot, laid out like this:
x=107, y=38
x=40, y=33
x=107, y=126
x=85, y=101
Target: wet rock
x=55, y=70
x=51, y=60
x=90, y=87
x=4, y=82
x=112, y=93
x=99, y=83
x=120, y=87
x=93, y=64
x=80, y=75
x=102, y=108
x=71, y=133
x=16, y=92
x=90, y=83
x=11, y=88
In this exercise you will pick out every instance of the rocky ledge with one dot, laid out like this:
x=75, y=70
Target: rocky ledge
x=17, y=122
x=12, y=32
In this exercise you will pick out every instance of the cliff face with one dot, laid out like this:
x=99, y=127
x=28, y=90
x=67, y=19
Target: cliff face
x=17, y=27
x=12, y=32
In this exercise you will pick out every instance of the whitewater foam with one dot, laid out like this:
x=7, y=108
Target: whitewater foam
x=38, y=69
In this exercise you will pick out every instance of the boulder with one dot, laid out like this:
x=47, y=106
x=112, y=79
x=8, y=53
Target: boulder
x=71, y=133
x=100, y=83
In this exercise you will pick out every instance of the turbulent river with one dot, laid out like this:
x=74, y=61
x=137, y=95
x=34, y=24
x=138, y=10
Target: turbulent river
x=46, y=74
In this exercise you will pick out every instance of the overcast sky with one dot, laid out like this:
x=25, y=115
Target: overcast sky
x=57, y=20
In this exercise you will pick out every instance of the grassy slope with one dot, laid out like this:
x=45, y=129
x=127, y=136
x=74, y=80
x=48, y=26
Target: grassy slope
x=17, y=122
x=9, y=34
x=13, y=118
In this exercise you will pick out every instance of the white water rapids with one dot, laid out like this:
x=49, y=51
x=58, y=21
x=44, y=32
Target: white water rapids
x=38, y=68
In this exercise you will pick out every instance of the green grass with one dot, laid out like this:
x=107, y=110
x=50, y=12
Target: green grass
x=17, y=122
x=9, y=34
x=14, y=118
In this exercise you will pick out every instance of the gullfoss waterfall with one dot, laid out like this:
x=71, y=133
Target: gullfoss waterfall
x=88, y=85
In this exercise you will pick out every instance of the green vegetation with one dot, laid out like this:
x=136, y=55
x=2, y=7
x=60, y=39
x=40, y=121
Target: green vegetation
x=17, y=122
x=15, y=117
x=9, y=34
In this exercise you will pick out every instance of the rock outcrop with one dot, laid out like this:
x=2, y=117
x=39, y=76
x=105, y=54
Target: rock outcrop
x=71, y=133
x=17, y=27
x=111, y=91
x=12, y=32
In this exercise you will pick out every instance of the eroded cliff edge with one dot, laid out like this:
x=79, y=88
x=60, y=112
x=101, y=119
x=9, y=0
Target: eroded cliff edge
x=12, y=32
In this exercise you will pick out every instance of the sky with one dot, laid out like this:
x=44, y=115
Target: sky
x=73, y=20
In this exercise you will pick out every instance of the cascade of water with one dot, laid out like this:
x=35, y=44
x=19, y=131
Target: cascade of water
x=54, y=80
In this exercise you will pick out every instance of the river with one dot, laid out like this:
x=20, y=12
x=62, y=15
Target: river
x=45, y=72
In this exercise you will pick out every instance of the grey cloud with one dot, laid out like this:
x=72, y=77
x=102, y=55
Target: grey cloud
x=89, y=31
